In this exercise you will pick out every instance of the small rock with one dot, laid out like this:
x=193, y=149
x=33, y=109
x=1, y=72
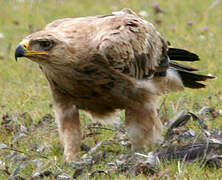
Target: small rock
x=63, y=177
x=37, y=175
x=23, y=129
x=3, y=146
x=151, y=159
x=42, y=175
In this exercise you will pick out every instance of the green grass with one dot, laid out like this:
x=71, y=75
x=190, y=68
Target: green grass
x=23, y=88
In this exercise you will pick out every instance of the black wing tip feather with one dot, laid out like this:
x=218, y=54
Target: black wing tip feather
x=193, y=85
x=182, y=55
x=182, y=66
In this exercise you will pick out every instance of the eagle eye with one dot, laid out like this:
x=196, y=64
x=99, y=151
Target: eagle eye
x=45, y=44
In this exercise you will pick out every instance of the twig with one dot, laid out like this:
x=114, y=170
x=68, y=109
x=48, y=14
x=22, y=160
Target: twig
x=12, y=149
x=94, y=127
x=203, y=161
x=97, y=146
x=179, y=120
x=200, y=121
x=163, y=103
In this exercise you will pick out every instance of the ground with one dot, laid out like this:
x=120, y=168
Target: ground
x=28, y=129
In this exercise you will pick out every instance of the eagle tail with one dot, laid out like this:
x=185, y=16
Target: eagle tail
x=193, y=80
x=189, y=78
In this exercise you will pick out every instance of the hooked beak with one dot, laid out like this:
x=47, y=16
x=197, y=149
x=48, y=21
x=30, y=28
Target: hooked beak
x=22, y=50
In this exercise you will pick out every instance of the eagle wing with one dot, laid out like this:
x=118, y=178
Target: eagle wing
x=133, y=46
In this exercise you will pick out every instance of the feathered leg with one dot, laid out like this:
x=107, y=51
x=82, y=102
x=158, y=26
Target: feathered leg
x=69, y=130
x=143, y=125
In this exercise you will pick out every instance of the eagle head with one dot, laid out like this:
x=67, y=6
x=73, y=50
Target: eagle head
x=43, y=47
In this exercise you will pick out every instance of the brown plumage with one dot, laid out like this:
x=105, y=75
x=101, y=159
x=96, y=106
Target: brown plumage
x=107, y=62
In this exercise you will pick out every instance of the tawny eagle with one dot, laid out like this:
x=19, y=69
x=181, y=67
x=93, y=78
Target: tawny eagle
x=107, y=62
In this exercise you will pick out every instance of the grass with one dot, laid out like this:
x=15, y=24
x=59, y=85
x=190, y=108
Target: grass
x=23, y=88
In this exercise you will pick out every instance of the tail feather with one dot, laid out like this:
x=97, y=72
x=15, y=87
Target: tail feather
x=193, y=80
x=189, y=79
x=182, y=55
